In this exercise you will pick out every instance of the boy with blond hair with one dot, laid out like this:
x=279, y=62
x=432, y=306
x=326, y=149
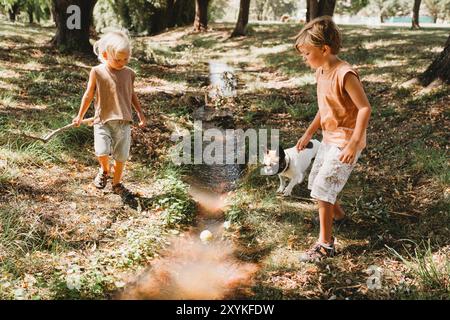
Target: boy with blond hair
x=343, y=116
x=112, y=84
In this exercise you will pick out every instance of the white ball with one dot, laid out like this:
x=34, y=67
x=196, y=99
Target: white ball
x=206, y=236
x=227, y=225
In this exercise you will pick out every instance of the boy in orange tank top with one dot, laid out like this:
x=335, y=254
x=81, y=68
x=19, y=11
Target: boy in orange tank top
x=343, y=116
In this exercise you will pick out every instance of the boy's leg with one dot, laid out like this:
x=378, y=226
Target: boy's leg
x=118, y=170
x=121, y=148
x=338, y=212
x=101, y=179
x=325, y=246
x=104, y=163
x=117, y=186
x=326, y=210
x=102, y=146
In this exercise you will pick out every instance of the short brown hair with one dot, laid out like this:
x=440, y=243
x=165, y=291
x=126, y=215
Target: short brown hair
x=319, y=32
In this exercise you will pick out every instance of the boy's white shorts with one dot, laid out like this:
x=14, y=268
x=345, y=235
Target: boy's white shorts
x=113, y=138
x=328, y=174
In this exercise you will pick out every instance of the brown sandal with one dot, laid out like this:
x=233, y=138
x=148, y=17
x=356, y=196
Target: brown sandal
x=318, y=252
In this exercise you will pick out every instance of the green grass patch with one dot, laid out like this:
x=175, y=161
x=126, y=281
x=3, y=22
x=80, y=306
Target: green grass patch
x=430, y=161
x=430, y=270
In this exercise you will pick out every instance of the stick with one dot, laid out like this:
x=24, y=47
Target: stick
x=50, y=135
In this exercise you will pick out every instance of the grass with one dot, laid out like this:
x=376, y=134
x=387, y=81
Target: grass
x=432, y=162
x=60, y=239
x=430, y=271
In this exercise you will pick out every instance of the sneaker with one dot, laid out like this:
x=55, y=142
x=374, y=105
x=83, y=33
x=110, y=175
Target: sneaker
x=318, y=252
x=101, y=179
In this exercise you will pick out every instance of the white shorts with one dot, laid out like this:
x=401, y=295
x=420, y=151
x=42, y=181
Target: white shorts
x=328, y=174
x=113, y=138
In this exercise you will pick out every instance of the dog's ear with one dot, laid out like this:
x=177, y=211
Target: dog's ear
x=310, y=145
x=266, y=151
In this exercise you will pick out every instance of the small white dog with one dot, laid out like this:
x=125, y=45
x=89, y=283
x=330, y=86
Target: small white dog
x=289, y=164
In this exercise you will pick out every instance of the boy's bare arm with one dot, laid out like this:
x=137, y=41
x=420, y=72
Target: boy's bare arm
x=356, y=92
x=88, y=96
x=313, y=127
x=138, y=108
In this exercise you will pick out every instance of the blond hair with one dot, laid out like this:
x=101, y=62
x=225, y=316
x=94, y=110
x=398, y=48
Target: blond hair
x=112, y=42
x=319, y=32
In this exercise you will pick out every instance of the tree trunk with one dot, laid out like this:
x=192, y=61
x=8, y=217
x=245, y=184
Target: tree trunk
x=38, y=14
x=201, y=15
x=439, y=68
x=13, y=12
x=30, y=11
x=415, y=19
x=326, y=7
x=170, y=13
x=121, y=8
x=312, y=10
x=72, y=40
x=318, y=8
x=241, y=24
x=12, y=16
x=180, y=12
x=259, y=9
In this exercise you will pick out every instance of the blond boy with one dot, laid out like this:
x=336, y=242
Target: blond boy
x=343, y=116
x=112, y=83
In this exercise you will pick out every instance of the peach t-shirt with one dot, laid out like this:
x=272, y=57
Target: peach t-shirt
x=337, y=111
x=114, y=94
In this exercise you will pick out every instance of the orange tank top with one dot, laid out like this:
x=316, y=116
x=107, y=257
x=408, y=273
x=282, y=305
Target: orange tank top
x=337, y=111
x=114, y=90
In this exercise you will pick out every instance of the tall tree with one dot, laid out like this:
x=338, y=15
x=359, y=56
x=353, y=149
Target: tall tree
x=438, y=9
x=170, y=13
x=273, y=9
x=14, y=9
x=415, y=19
x=150, y=16
x=201, y=15
x=30, y=11
x=72, y=37
x=350, y=7
x=318, y=8
x=387, y=8
x=258, y=9
x=180, y=12
x=36, y=9
x=241, y=24
x=439, y=68
x=122, y=9
x=434, y=8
